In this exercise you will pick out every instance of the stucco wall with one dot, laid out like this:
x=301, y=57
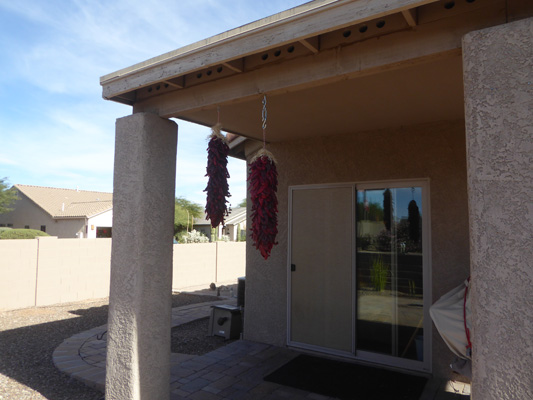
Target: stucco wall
x=26, y=212
x=435, y=151
x=66, y=228
x=498, y=65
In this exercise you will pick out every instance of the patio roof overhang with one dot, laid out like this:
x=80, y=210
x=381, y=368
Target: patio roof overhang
x=328, y=66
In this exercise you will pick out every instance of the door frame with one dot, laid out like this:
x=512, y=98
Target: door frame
x=359, y=355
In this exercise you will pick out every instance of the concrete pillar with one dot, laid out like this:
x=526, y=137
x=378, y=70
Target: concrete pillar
x=498, y=79
x=138, y=341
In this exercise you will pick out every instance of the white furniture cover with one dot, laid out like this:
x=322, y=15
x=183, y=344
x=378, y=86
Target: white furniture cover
x=448, y=315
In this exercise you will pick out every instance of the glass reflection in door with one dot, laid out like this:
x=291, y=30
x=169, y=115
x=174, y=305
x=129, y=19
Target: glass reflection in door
x=390, y=272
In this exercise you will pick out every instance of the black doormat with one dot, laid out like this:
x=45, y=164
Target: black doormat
x=347, y=381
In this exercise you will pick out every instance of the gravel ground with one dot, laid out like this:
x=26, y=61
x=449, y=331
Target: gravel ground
x=29, y=336
x=192, y=338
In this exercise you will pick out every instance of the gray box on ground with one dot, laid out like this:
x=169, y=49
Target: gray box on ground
x=225, y=321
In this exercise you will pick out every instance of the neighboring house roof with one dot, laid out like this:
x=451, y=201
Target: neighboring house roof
x=68, y=203
x=235, y=216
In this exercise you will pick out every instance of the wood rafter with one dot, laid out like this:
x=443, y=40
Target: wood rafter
x=174, y=84
x=311, y=43
x=235, y=66
x=428, y=42
x=333, y=16
x=410, y=17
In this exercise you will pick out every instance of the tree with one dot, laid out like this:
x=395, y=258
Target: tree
x=184, y=214
x=7, y=196
x=242, y=203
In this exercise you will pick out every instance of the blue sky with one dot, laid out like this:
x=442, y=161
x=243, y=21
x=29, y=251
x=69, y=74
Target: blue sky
x=55, y=128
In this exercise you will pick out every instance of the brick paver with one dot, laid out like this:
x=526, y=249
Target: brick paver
x=234, y=371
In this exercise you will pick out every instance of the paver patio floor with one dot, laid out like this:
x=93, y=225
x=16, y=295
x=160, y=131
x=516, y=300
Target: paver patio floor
x=234, y=371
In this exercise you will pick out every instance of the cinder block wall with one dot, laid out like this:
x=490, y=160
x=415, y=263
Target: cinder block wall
x=49, y=270
x=194, y=264
x=18, y=268
x=231, y=260
x=72, y=269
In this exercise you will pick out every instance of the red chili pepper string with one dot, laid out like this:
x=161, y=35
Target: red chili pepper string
x=263, y=181
x=217, y=186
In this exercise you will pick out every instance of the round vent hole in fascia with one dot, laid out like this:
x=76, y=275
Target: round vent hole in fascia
x=380, y=24
x=290, y=49
x=264, y=57
x=346, y=33
x=277, y=53
x=363, y=28
x=219, y=70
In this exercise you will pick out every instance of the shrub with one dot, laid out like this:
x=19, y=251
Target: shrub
x=379, y=274
x=383, y=240
x=365, y=241
x=21, y=234
x=194, y=237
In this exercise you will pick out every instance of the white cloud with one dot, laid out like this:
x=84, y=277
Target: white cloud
x=54, y=127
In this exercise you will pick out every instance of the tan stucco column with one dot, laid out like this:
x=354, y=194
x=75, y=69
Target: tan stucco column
x=498, y=79
x=138, y=341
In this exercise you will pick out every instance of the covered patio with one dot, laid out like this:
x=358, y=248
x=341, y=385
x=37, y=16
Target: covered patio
x=429, y=96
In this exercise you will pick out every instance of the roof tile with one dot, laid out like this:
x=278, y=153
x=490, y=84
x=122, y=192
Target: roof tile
x=68, y=203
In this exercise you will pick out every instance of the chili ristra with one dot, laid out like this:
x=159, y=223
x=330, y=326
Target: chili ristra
x=263, y=181
x=217, y=186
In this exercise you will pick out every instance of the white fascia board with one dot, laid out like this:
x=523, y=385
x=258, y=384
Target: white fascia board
x=100, y=213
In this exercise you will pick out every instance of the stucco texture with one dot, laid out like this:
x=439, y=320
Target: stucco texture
x=435, y=151
x=498, y=78
x=138, y=357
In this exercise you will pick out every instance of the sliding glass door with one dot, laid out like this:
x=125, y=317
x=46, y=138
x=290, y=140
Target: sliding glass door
x=359, y=271
x=390, y=277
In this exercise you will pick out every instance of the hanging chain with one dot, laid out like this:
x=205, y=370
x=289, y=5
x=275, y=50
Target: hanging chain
x=264, y=119
x=264, y=115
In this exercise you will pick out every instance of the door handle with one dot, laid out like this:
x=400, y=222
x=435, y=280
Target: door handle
x=293, y=267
